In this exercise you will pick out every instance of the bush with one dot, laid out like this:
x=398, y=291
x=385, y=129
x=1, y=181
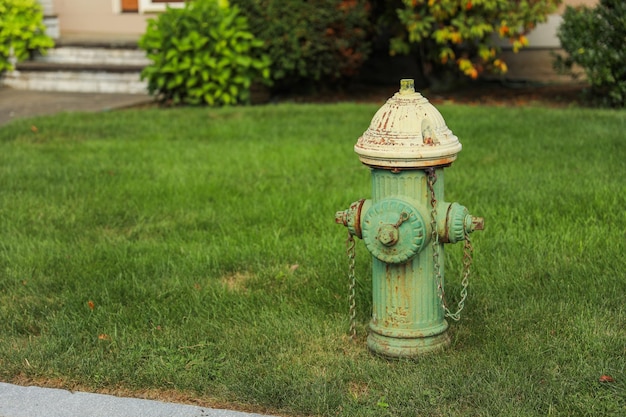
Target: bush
x=459, y=34
x=594, y=39
x=22, y=31
x=203, y=53
x=317, y=42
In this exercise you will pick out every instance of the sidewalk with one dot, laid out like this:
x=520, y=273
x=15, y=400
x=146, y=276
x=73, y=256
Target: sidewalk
x=17, y=401
x=16, y=104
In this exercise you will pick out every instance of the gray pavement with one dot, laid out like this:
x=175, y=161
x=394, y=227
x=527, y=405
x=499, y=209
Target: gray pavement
x=15, y=104
x=19, y=401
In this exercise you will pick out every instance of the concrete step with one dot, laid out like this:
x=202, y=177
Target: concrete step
x=85, y=66
x=76, y=81
x=75, y=54
x=52, y=26
x=40, y=66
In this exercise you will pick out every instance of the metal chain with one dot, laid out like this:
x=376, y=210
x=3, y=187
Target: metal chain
x=467, y=263
x=350, y=250
x=434, y=238
x=467, y=254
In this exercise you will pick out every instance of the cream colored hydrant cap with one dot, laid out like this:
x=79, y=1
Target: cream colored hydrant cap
x=407, y=132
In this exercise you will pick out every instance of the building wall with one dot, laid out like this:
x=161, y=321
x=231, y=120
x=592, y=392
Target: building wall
x=98, y=19
x=534, y=63
x=574, y=3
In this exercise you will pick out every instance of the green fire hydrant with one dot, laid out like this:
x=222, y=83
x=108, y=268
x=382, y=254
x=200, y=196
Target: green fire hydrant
x=407, y=222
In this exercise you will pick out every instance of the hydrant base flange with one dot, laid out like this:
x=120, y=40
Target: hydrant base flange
x=394, y=347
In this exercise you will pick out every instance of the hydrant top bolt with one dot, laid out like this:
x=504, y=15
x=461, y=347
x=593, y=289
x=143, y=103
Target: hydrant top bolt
x=407, y=86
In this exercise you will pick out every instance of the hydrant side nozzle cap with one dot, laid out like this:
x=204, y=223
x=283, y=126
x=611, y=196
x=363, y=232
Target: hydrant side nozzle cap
x=407, y=132
x=478, y=223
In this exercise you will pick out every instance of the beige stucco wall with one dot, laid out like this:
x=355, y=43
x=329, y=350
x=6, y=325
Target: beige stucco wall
x=97, y=18
x=574, y=3
x=535, y=62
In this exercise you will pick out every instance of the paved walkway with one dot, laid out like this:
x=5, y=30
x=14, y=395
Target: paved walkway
x=16, y=104
x=18, y=401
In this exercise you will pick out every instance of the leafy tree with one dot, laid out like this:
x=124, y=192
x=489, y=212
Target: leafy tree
x=459, y=34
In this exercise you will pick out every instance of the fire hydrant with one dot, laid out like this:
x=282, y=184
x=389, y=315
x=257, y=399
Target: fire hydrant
x=406, y=223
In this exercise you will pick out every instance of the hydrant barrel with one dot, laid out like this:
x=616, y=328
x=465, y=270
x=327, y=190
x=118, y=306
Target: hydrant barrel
x=406, y=223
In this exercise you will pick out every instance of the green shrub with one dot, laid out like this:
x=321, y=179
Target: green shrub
x=594, y=39
x=316, y=42
x=22, y=31
x=203, y=53
x=459, y=34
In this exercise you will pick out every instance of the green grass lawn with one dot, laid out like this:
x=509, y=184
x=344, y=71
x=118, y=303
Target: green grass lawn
x=195, y=251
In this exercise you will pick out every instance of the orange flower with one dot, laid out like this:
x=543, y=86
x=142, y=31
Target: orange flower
x=523, y=40
x=91, y=305
x=519, y=43
x=469, y=5
x=504, y=30
x=501, y=65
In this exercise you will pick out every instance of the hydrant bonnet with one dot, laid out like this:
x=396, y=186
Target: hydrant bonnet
x=407, y=132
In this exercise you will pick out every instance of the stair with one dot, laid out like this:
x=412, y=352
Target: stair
x=86, y=66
